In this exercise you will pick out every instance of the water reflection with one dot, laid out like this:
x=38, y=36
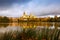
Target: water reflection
x=4, y=25
x=39, y=24
x=31, y=24
x=30, y=31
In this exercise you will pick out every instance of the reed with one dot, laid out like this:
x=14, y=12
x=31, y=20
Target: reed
x=31, y=34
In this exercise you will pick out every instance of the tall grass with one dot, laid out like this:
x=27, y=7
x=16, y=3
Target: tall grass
x=31, y=34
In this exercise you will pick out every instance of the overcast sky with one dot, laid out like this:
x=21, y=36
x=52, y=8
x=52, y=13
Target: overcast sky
x=15, y=8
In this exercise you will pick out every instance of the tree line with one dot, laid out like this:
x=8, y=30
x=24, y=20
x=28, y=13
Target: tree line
x=4, y=19
x=7, y=20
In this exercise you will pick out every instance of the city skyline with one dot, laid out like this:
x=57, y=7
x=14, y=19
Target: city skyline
x=15, y=8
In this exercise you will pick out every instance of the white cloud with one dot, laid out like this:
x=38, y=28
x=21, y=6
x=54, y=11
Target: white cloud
x=17, y=10
x=37, y=9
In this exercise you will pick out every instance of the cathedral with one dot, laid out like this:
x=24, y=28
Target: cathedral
x=28, y=16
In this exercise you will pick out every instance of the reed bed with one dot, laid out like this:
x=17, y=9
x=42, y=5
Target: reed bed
x=31, y=34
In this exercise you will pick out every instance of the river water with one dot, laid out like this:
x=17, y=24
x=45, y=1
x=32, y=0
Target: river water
x=43, y=30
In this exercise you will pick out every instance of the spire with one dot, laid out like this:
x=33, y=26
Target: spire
x=24, y=13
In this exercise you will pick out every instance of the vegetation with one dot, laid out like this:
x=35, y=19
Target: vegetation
x=47, y=19
x=32, y=34
x=4, y=19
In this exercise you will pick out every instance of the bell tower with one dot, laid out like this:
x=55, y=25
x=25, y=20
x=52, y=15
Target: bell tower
x=24, y=14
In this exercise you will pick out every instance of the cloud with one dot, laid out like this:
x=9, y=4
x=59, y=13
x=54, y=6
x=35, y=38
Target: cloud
x=41, y=9
x=8, y=3
x=34, y=6
x=47, y=10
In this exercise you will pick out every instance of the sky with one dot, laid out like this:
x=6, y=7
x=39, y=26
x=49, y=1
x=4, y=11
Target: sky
x=16, y=8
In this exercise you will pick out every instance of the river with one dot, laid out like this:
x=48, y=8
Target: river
x=26, y=30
